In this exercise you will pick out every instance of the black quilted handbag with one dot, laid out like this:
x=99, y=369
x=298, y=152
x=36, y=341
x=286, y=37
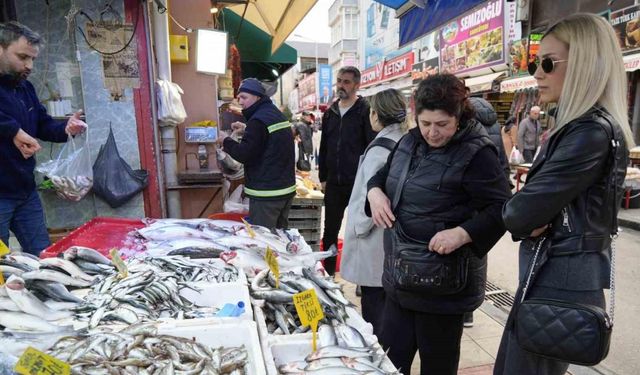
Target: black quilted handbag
x=562, y=330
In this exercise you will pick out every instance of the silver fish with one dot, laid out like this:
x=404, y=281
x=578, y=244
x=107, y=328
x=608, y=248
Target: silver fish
x=68, y=266
x=19, y=321
x=28, y=303
x=54, y=276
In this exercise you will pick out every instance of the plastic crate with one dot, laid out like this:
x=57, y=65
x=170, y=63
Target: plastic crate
x=305, y=213
x=302, y=224
x=310, y=235
x=100, y=233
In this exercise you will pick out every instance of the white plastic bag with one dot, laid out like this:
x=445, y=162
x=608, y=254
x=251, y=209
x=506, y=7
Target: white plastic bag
x=71, y=172
x=171, y=111
x=235, y=203
x=515, y=157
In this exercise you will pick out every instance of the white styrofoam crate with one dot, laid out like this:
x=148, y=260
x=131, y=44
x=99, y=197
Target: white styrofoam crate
x=216, y=333
x=285, y=349
x=217, y=295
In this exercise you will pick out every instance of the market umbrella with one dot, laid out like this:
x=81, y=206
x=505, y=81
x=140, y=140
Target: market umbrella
x=277, y=18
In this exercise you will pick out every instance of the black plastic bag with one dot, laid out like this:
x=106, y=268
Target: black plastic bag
x=303, y=164
x=113, y=179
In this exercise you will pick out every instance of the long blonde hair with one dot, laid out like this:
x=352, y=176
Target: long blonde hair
x=595, y=71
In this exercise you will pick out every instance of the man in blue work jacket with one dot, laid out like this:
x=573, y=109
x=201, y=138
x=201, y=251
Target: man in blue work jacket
x=267, y=152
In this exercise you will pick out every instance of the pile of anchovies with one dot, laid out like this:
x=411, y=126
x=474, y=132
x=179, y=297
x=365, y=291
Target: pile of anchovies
x=279, y=309
x=150, y=290
x=140, y=350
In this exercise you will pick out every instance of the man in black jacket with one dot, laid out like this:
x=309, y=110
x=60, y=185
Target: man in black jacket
x=266, y=150
x=346, y=132
x=22, y=120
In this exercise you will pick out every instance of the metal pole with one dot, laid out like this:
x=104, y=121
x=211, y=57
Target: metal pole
x=317, y=78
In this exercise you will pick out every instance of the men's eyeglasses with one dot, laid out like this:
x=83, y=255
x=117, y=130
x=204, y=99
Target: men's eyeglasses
x=547, y=64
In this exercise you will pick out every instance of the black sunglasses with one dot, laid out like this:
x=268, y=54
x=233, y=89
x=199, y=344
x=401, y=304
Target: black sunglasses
x=547, y=65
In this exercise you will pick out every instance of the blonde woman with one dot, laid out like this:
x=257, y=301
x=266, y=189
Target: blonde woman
x=363, y=253
x=571, y=197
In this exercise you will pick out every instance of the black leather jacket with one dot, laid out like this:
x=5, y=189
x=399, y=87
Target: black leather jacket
x=573, y=187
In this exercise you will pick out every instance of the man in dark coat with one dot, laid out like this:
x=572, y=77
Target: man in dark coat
x=22, y=120
x=346, y=133
x=266, y=150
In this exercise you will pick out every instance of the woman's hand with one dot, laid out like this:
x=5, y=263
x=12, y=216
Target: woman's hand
x=537, y=232
x=381, y=212
x=446, y=241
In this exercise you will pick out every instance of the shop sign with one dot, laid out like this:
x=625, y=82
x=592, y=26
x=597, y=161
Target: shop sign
x=326, y=80
x=516, y=84
x=307, y=92
x=385, y=70
x=473, y=41
x=423, y=70
x=518, y=54
x=631, y=63
x=626, y=23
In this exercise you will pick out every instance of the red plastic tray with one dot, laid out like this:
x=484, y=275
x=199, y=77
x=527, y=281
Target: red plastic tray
x=100, y=233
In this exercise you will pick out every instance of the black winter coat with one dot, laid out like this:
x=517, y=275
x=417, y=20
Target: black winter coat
x=343, y=140
x=460, y=184
x=572, y=186
x=489, y=118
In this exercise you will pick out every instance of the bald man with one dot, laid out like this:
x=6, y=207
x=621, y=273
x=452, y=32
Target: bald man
x=529, y=131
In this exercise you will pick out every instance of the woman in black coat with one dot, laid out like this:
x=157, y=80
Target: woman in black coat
x=448, y=188
x=574, y=187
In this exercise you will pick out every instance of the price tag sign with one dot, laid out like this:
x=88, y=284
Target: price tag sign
x=1, y=279
x=272, y=262
x=309, y=310
x=119, y=263
x=35, y=362
x=4, y=249
x=247, y=226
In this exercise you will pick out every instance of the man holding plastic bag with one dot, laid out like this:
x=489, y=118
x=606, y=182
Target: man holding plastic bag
x=23, y=120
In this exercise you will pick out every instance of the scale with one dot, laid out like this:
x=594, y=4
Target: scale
x=202, y=135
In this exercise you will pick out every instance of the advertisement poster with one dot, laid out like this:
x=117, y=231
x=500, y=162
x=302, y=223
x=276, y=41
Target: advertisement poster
x=307, y=92
x=381, y=34
x=626, y=23
x=473, y=41
x=428, y=57
x=518, y=54
x=325, y=80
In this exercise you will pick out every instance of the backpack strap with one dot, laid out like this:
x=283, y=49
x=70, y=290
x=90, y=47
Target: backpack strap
x=387, y=143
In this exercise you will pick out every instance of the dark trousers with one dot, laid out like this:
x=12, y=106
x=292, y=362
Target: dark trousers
x=436, y=337
x=25, y=218
x=336, y=199
x=270, y=213
x=372, y=301
x=528, y=155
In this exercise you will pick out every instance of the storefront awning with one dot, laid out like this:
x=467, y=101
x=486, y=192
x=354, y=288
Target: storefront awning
x=276, y=18
x=254, y=46
x=395, y=4
x=482, y=83
x=631, y=62
x=515, y=84
x=418, y=22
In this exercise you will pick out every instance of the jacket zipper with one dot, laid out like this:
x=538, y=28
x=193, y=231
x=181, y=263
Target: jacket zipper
x=565, y=219
x=338, y=151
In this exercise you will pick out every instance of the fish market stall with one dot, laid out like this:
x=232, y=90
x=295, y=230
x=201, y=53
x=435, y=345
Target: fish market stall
x=167, y=296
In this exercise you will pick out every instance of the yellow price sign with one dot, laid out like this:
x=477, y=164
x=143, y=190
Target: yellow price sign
x=1, y=279
x=272, y=262
x=250, y=230
x=309, y=310
x=4, y=249
x=119, y=263
x=35, y=362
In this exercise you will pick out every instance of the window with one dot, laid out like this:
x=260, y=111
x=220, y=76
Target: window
x=336, y=33
x=351, y=23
